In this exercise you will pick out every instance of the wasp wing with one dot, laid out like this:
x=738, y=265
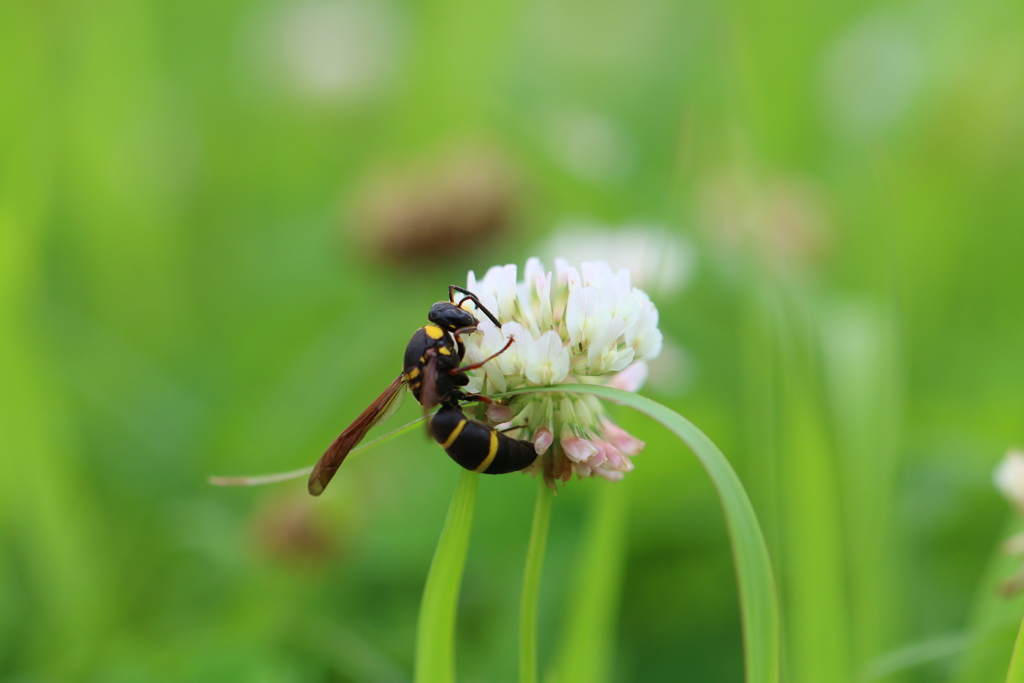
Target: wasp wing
x=380, y=410
x=428, y=394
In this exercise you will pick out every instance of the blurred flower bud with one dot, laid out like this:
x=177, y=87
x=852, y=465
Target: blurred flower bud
x=292, y=529
x=780, y=221
x=458, y=198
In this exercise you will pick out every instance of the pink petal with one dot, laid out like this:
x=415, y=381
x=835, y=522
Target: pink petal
x=542, y=440
x=625, y=442
x=577, y=449
x=632, y=378
x=498, y=413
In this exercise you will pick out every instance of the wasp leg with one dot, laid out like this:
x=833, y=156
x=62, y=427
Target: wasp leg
x=469, y=398
x=461, y=347
x=474, y=366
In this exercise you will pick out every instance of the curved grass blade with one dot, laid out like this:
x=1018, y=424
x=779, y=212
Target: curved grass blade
x=758, y=597
x=995, y=619
x=263, y=479
x=435, y=632
x=1016, y=672
x=914, y=655
x=258, y=479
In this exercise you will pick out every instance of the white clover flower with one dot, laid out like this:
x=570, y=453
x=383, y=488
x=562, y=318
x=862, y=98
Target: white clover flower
x=326, y=52
x=660, y=260
x=586, y=326
x=1009, y=479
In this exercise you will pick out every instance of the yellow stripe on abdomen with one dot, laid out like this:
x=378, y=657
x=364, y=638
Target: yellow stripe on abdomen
x=454, y=435
x=491, y=452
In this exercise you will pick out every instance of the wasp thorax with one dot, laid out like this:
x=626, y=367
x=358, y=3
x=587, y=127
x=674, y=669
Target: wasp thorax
x=450, y=317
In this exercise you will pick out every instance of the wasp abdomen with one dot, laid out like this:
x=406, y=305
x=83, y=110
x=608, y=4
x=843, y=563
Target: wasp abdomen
x=477, y=446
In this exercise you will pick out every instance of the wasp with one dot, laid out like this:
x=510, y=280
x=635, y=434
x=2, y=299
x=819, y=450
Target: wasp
x=434, y=372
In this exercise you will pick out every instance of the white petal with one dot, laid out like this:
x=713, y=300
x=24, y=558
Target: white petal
x=534, y=269
x=653, y=342
x=491, y=280
x=476, y=384
x=583, y=315
x=496, y=378
x=644, y=336
x=595, y=273
x=511, y=362
x=501, y=282
x=567, y=277
x=549, y=360
x=617, y=294
x=621, y=360
x=488, y=341
x=545, y=317
x=526, y=311
x=489, y=302
x=602, y=353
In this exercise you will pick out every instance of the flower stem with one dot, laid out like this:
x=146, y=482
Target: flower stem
x=587, y=650
x=435, y=632
x=531, y=585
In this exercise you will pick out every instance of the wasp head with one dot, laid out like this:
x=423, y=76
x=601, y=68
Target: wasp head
x=450, y=317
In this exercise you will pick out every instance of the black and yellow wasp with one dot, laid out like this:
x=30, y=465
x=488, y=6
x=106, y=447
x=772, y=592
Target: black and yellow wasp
x=433, y=370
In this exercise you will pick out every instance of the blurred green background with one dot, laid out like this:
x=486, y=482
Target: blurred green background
x=220, y=223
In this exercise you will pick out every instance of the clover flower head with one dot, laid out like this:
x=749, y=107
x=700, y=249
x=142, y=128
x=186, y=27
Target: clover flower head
x=587, y=325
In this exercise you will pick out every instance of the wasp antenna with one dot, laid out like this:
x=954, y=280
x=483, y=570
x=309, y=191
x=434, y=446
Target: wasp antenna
x=475, y=299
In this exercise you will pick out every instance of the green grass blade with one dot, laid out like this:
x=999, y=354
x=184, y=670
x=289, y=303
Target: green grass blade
x=586, y=654
x=995, y=618
x=1016, y=672
x=862, y=367
x=277, y=477
x=909, y=657
x=531, y=584
x=758, y=597
x=435, y=633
